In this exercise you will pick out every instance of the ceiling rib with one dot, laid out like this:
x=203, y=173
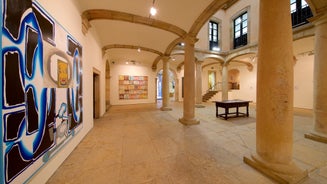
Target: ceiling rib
x=121, y=46
x=97, y=14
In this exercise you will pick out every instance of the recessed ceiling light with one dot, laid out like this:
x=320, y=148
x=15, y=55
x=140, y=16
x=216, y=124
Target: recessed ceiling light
x=153, y=11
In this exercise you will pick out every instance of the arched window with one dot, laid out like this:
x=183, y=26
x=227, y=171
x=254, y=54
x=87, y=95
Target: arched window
x=300, y=11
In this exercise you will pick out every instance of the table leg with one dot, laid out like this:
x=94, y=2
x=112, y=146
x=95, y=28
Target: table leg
x=216, y=111
x=247, y=110
x=236, y=111
x=226, y=113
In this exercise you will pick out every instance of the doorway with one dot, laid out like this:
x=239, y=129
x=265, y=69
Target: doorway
x=96, y=95
x=172, y=86
x=212, y=80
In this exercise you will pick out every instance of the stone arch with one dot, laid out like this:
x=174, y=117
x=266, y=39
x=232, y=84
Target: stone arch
x=172, y=77
x=233, y=79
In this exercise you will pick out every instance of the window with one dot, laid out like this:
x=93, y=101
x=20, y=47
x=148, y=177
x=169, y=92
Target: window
x=300, y=11
x=241, y=30
x=213, y=36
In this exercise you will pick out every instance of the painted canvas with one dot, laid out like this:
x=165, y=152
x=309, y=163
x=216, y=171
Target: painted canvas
x=133, y=87
x=41, y=89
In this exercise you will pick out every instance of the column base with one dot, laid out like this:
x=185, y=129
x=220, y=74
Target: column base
x=285, y=174
x=165, y=108
x=199, y=106
x=316, y=137
x=189, y=121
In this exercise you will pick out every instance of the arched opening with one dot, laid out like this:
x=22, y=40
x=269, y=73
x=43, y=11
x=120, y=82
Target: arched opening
x=234, y=79
x=172, y=86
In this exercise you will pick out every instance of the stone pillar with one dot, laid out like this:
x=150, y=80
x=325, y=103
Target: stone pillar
x=165, y=84
x=274, y=126
x=189, y=83
x=198, y=99
x=224, y=94
x=319, y=132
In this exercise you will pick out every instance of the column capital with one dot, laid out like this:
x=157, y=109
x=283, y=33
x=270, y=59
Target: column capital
x=198, y=62
x=190, y=39
x=165, y=58
x=225, y=64
x=319, y=19
x=85, y=24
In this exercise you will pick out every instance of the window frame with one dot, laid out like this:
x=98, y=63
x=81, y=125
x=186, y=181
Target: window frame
x=300, y=13
x=213, y=35
x=242, y=39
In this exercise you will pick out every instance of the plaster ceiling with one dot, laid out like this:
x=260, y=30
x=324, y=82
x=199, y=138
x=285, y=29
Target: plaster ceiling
x=128, y=23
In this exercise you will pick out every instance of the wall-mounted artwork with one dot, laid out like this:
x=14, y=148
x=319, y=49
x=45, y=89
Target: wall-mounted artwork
x=133, y=87
x=40, y=89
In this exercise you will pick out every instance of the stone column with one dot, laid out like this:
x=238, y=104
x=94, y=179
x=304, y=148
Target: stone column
x=189, y=83
x=319, y=132
x=224, y=94
x=198, y=99
x=274, y=126
x=165, y=84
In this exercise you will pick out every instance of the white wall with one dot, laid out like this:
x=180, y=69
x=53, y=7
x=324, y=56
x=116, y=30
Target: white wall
x=303, y=82
x=132, y=70
x=68, y=16
x=248, y=84
x=225, y=18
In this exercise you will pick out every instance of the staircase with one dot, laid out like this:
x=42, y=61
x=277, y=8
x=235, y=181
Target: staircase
x=208, y=95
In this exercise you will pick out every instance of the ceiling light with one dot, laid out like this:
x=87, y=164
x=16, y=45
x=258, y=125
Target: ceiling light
x=139, y=49
x=153, y=11
x=126, y=62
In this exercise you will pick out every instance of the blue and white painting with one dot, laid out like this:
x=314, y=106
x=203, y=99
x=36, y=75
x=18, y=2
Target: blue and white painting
x=41, y=89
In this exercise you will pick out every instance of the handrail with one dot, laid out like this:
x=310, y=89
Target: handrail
x=216, y=87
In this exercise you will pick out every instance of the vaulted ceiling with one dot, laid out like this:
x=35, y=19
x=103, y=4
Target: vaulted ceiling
x=125, y=26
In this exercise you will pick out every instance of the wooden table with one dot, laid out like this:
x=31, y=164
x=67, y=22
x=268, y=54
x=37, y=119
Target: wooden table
x=227, y=104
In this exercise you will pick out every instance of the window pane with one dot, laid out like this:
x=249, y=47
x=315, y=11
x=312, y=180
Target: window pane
x=293, y=1
x=237, y=34
x=245, y=24
x=209, y=37
x=245, y=16
x=214, y=26
x=245, y=30
x=293, y=8
x=237, y=28
x=215, y=39
x=304, y=4
x=238, y=20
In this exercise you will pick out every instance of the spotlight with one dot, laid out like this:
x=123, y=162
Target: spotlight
x=153, y=11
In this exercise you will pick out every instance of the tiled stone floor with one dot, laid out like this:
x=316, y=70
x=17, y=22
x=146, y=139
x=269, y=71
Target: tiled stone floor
x=139, y=144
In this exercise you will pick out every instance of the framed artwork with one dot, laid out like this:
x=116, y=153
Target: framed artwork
x=133, y=87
